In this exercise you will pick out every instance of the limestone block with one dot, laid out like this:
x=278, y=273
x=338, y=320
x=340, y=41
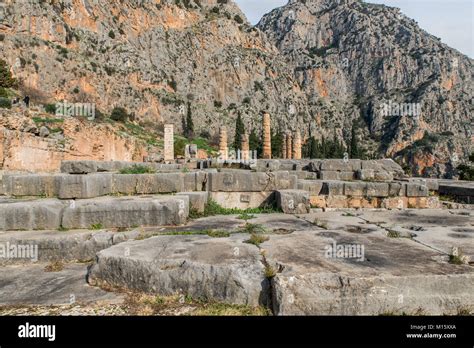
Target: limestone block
x=377, y=189
x=333, y=188
x=328, y=175
x=417, y=190
x=85, y=186
x=127, y=212
x=197, y=200
x=31, y=215
x=312, y=186
x=293, y=201
x=357, y=189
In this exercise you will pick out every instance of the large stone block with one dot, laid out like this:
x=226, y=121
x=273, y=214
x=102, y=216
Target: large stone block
x=218, y=269
x=339, y=165
x=383, y=176
x=397, y=189
x=30, y=215
x=416, y=190
x=357, y=189
x=377, y=189
x=32, y=185
x=110, y=212
x=333, y=188
x=312, y=186
x=78, y=167
x=243, y=200
x=293, y=201
x=249, y=181
x=346, y=176
x=85, y=186
x=197, y=200
x=130, y=184
x=365, y=174
x=196, y=181
x=329, y=175
x=373, y=165
x=337, y=202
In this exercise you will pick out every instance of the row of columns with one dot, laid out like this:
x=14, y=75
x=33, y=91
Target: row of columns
x=291, y=147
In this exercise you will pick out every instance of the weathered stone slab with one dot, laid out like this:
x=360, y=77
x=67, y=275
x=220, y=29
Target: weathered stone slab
x=355, y=189
x=383, y=176
x=333, y=188
x=249, y=181
x=314, y=187
x=346, y=176
x=416, y=190
x=85, y=186
x=381, y=279
x=43, y=185
x=377, y=189
x=30, y=214
x=243, y=200
x=340, y=165
x=110, y=212
x=216, y=269
x=328, y=175
x=197, y=200
x=78, y=167
x=56, y=245
x=372, y=165
x=31, y=285
x=365, y=174
x=293, y=201
x=131, y=184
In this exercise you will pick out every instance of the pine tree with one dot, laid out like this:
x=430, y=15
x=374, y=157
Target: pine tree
x=6, y=79
x=354, y=150
x=189, y=123
x=277, y=143
x=183, y=124
x=239, y=132
x=255, y=143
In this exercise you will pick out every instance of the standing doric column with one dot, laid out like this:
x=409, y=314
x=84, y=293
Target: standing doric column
x=223, y=149
x=169, y=143
x=283, y=148
x=245, y=147
x=297, y=146
x=289, y=146
x=267, y=137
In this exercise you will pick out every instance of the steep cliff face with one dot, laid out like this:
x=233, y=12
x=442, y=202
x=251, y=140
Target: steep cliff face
x=380, y=63
x=317, y=66
x=153, y=57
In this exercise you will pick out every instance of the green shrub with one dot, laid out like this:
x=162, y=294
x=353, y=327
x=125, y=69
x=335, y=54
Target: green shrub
x=138, y=169
x=6, y=79
x=5, y=103
x=119, y=115
x=50, y=109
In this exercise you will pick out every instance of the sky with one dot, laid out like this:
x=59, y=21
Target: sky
x=450, y=20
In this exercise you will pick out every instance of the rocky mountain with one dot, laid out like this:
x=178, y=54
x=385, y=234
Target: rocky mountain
x=155, y=58
x=413, y=93
x=317, y=66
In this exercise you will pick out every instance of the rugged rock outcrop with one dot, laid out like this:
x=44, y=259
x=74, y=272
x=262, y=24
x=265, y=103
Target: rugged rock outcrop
x=358, y=59
x=316, y=66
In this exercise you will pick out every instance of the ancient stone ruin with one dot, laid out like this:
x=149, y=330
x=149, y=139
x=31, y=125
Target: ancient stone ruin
x=142, y=226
